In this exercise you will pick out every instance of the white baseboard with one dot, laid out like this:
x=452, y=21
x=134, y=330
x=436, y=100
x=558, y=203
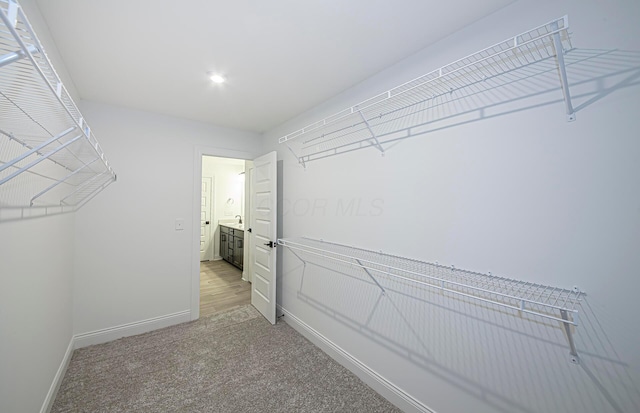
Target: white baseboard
x=57, y=379
x=384, y=387
x=131, y=329
x=103, y=336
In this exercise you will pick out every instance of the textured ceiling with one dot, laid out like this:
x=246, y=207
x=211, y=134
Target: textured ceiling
x=281, y=57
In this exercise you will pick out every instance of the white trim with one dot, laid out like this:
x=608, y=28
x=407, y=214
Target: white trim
x=57, y=379
x=130, y=329
x=200, y=151
x=384, y=387
x=103, y=336
x=210, y=254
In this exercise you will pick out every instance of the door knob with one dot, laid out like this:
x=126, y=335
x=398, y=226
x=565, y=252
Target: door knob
x=270, y=244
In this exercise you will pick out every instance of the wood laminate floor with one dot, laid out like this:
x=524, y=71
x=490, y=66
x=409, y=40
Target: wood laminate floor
x=221, y=287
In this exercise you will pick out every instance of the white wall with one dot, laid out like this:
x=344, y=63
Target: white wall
x=521, y=193
x=131, y=264
x=36, y=287
x=32, y=11
x=36, y=280
x=228, y=185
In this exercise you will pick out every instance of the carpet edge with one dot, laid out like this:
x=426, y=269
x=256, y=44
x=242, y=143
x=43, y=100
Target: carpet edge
x=50, y=398
x=377, y=382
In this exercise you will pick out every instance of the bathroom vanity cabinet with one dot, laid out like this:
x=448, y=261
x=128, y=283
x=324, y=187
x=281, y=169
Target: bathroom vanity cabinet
x=232, y=245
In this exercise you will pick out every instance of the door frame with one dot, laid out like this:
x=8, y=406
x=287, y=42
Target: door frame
x=210, y=253
x=199, y=152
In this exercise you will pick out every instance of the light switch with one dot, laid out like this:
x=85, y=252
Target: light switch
x=179, y=224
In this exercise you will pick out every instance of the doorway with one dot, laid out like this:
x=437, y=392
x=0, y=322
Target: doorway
x=261, y=201
x=224, y=273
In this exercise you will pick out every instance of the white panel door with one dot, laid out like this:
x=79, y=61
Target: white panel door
x=263, y=235
x=205, y=219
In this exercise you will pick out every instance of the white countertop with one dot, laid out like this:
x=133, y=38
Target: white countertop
x=233, y=225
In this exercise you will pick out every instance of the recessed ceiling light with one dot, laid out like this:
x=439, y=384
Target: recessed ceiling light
x=216, y=78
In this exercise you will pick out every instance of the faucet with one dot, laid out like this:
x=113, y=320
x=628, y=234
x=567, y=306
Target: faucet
x=239, y=219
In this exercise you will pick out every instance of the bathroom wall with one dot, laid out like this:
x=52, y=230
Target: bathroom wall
x=229, y=191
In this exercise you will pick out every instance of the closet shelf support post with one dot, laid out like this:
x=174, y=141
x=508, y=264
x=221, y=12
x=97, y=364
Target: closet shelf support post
x=299, y=158
x=370, y=275
x=373, y=135
x=562, y=72
x=304, y=263
x=567, y=329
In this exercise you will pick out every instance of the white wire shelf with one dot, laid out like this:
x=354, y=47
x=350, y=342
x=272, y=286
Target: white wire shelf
x=48, y=154
x=552, y=303
x=404, y=107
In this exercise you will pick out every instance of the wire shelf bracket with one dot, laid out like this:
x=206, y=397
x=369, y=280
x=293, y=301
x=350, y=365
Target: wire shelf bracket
x=551, y=303
x=49, y=156
x=395, y=111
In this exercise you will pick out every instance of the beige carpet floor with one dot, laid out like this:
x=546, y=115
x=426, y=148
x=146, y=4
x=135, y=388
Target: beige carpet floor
x=230, y=362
